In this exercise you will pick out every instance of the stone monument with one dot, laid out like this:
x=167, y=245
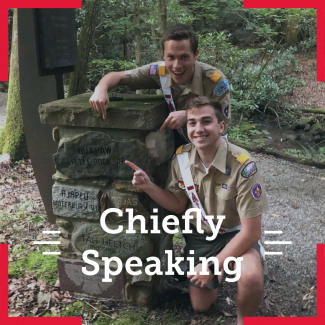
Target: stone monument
x=91, y=177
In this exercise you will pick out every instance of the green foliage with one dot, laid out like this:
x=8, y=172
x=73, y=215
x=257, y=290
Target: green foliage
x=178, y=238
x=99, y=67
x=236, y=133
x=245, y=131
x=73, y=310
x=125, y=318
x=258, y=77
x=308, y=152
x=26, y=204
x=248, y=45
x=321, y=153
x=42, y=266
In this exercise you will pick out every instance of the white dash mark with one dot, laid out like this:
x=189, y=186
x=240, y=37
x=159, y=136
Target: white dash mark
x=51, y=253
x=46, y=242
x=273, y=232
x=273, y=253
x=278, y=242
x=51, y=232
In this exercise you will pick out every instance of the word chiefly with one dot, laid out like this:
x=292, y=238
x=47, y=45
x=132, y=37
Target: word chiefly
x=168, y=221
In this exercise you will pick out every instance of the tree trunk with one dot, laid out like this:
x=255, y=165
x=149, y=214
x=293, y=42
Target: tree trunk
x=12, y=138
x=125, y=42
x=137, y=33
x=78, y=78
x=162, y=23
x=292, y=30
x=137, y=36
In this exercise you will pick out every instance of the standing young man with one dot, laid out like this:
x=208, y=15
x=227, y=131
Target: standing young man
x=180, y=76
x=226, y=182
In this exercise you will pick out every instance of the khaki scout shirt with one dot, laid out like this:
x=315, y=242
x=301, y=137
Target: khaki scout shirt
x=223, y=190
x=201, y=85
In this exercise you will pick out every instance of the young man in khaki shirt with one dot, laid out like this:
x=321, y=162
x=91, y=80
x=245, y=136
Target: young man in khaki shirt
x=227, y=183
x=186, y=77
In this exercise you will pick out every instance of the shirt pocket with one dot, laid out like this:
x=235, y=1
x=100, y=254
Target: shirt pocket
x=226, y=201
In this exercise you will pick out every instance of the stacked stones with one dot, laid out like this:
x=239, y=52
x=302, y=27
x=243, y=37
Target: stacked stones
x=91, y=177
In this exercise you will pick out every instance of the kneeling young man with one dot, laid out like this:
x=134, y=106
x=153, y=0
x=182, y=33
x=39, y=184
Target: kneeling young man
x=227, y=183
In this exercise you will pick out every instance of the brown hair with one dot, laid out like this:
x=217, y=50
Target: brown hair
x=203, y=101
x=180, y=32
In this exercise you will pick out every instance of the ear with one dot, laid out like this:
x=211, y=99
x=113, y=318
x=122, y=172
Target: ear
x=222, y=127
x=196, y=54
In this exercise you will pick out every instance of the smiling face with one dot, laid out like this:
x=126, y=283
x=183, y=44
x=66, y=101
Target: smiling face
x=203, y=128
x=180, y=60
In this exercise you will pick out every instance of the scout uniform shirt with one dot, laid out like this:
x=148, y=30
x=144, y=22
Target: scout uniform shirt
x=207, y=81
x=232, y=186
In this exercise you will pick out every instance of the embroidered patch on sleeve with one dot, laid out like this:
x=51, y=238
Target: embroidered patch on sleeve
x=153, y=70
x=226, y=111
x=257, y=191
x=249, y=170
x=224, y=186
x=228, y=171
x=221, y=88
x=215, y=77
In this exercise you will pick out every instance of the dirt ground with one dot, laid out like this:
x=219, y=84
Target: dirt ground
x=312, y=95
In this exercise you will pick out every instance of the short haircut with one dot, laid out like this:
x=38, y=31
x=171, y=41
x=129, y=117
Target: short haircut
x=200, y=101
x=180, y=32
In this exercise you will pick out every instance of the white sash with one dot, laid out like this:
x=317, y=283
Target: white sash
x=182, y=159
x=169, y=100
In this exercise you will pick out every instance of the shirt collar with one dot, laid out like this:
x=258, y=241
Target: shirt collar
x=195, y=86
x=219, y=160
x=169, y=80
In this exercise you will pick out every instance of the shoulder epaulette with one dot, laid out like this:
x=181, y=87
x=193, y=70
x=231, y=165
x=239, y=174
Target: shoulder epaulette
x=184, y=148
x=179, y=150
x=213, y=75
x=162, y=70
x=242, y=158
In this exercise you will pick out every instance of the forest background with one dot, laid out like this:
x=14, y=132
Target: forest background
x=257, y=50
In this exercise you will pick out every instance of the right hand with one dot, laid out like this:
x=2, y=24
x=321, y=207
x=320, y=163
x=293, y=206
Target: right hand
x=140, y=179
x=100, y=101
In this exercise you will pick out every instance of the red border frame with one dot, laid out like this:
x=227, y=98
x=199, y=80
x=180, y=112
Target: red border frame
x=319, y=320
x=319, y=5
x=5, y=319
x=5, y=5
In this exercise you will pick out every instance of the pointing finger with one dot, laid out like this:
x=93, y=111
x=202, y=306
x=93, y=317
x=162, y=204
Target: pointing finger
x=165, y=123
x=132, y=165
